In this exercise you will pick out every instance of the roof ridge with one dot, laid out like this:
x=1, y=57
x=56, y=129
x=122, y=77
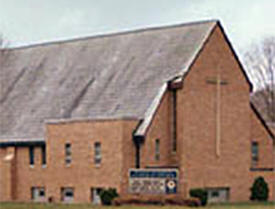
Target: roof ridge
x=110, y=34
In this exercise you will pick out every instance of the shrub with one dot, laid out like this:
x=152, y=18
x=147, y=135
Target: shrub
x=107, y=195
x=200, y=194
x=178, y=200
x=193, y=202
x=155, y=200
x=139, y=200
x=259, y=190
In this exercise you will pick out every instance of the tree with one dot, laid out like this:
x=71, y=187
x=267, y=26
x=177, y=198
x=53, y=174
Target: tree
x=259, y=190
x=260, y=64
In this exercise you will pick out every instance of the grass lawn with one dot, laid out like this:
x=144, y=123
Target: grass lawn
x=60, y=206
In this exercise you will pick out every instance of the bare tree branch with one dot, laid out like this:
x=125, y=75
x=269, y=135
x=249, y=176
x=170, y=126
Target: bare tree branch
x=260, y=62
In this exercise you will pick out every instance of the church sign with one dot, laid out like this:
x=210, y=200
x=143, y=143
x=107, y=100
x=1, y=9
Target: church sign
x=153, y=181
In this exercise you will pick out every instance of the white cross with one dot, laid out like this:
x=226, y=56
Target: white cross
x=218, y=82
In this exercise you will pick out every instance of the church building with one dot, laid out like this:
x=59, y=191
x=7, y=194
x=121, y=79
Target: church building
x=151, y=111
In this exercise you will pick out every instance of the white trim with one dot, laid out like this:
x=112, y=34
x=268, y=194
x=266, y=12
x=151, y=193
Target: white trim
x=197, y=51
x=4, y=139
x=151, y=111
x=99, y=118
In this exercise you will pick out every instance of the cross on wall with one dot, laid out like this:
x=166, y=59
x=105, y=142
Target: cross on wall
x=218, y=82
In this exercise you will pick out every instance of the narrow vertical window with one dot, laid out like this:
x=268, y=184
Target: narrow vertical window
x=255, y=152
x=157, y=150
x=43, y=155
x=97, y=154
x=68, y=154
x=31, y=155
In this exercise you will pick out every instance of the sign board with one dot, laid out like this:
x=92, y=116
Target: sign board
x=153, y=181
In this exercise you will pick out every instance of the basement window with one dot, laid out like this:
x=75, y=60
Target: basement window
x=38, y=194
x=218, y=195
x=68, y=154
x=95, y=196
x=97, y=154
x=67, y=194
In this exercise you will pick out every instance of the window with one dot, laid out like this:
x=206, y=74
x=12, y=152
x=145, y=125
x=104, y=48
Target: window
x=38, y=194
x=218, y=195
x=95, y=197
x=157, y=150
x=68, y=154
x=97, y=154
x=43, y=156
x=67, y=194
x=255, y=152
x=31, y=155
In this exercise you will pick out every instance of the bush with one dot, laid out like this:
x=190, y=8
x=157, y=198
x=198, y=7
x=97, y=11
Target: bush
x=259, y=190
x=139, y=200
x=178, y=200
x=200, y=194
x=155, y=200
x=107, y=195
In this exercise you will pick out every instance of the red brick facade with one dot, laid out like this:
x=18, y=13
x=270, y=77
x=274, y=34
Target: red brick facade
x=213, y=151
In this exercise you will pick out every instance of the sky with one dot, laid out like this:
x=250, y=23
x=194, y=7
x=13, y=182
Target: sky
x=25, y=22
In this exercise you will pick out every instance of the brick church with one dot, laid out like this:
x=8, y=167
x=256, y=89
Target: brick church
x=169, y=104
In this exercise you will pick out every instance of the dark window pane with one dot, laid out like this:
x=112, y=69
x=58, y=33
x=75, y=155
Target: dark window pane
x=215, y=194
x=68, y=153
x=44, y=155
x=42, y=192
x=157, y=150
x=97, y=154
x=31, y=155
x=255, y=151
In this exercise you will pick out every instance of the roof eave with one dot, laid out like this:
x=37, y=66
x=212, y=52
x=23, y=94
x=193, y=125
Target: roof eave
x=259, y=116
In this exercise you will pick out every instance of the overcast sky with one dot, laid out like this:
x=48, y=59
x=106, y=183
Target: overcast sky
x=25, y=22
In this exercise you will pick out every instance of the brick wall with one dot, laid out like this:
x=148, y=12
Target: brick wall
x=82, y=174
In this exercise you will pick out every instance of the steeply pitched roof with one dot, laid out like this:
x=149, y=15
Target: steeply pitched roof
x=272, y=128
x=268, y=127
x=108, y=76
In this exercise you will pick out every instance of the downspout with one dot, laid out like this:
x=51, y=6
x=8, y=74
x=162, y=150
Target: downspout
x=138, y=140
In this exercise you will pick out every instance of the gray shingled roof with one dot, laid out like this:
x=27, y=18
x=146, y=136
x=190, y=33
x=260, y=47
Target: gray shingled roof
x=108, y=76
